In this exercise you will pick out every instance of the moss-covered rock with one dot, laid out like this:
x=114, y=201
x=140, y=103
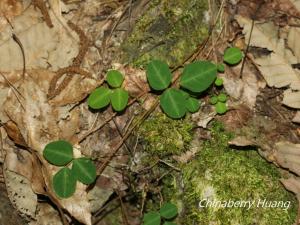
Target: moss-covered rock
x=220, y=175
x=169, y=31
x=164, y=136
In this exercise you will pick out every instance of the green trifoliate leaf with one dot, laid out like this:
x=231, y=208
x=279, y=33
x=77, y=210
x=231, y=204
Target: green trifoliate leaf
x=99, y=98
x=221, y=108
x=159, y=75
x=168, y=210
x=172, y=101
x=222, y=97
x=151, y=218
x=64, y=183
x=219, y=82
x=192, y=104
x=84, y=170
x=119, y=99
x=58, y=153
x=198, y=76
x=114, y=78
x=213, y=100
x=233, y=55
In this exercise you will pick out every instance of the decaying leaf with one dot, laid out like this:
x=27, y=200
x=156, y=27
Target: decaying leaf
x=291, y=98
x=46, y=215
x=21, y=194
x=287, y=155
x=242, y=141
x=42, y=46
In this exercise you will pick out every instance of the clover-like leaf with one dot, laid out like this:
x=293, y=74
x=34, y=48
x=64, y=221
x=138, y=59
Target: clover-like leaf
x=64, y=183
x=119, y=99
x=219, y=82
x=159, y=75
x=221, y=108
x=172, y=101
x=58, y=153
x=192, y=104
x=84, y=170
x=99, y=98
x=168, y=210
x=198, y=76
x=213, y=100
x=222, y=97
x=233, y=55
x=151, y=218
x=114, y=78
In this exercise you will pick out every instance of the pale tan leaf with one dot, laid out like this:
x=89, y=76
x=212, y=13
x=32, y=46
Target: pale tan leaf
x=291, y=98
x=20, y=193
x=276, y=71
x=38, y=125
x=296, y=118
x=46, y=215
x=43, y=46
x=276, y=67
x=287, y=155
x=293, y=41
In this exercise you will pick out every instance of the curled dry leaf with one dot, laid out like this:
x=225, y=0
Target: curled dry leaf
x=291, y=98
x=242, y=141
x=293, y=185
x=204, y=116
x=287, y=155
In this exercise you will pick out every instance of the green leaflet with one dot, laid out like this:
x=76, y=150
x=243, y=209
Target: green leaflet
x=151, y=218
x=84, y=170
x=233, y=55
x=192, y=105
x=64, y=183
x=168, y=210
x=99, y=98
x=119, y=99
x=172, y=101
x=198, y=76
x=58, y=153
x=158, y=75
x=114, y=78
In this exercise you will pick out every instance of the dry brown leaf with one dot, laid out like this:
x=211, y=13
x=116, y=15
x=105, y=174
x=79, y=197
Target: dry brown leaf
x=38, y=123
x=287, y=155
x=20, y=193
x=292, y=184
x=46, y=215
x=296, y=118
x=42, y=46
x=291, y=98
x=9, y=9
x=276, y=67
x=241, y=141
x=293, y=41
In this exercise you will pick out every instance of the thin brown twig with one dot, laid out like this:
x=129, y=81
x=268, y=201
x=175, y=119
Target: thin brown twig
x=123, y=210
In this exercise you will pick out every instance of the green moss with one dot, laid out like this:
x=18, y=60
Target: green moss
x=165, y=136
x=220, y=173
x=169, y=31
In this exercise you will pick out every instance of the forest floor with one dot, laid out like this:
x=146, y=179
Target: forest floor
x=55, y=53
